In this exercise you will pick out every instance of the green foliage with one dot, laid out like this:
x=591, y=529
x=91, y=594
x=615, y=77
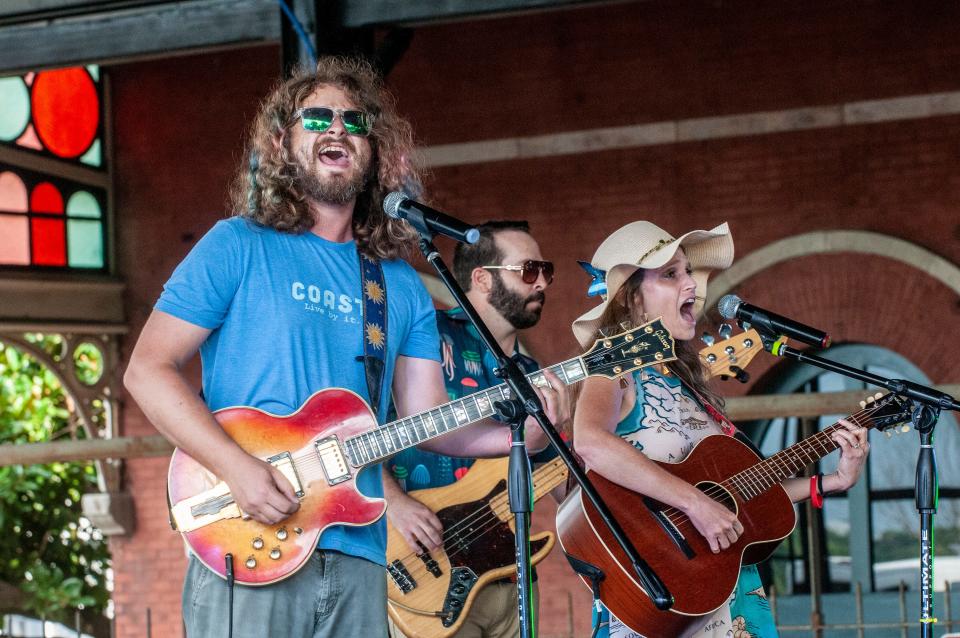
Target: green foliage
x=49, y=548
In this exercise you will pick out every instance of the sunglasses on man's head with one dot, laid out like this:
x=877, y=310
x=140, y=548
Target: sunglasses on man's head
x=530, y=270
x=318, y=119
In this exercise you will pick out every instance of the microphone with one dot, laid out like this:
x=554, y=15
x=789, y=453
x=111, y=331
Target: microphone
x=732, y=307
x=422, y=217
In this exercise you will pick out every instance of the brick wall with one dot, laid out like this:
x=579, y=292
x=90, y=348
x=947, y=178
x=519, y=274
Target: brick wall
x=178, y=126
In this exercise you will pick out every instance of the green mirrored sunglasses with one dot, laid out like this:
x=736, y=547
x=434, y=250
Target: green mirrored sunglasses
x=318, y=119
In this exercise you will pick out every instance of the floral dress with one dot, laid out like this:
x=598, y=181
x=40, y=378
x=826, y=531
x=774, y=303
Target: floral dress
x=665, y=424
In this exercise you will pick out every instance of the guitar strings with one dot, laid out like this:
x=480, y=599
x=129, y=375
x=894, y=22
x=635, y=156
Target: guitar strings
x=758, y=477
x=498, y=504
x=484, y=520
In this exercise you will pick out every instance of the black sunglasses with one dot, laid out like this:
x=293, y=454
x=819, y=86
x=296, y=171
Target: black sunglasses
x=320, y=118
x=530, y=270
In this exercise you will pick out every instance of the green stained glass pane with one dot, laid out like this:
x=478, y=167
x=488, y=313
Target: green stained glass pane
x=14, y=108
x=85, y=243
x=14, y=240
x=83, y=204
x=93, y=157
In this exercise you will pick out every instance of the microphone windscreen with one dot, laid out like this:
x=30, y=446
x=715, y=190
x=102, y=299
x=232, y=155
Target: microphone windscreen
x=728, y=306
x=391, y=204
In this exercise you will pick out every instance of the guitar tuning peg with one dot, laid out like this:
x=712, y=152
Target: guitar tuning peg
x=625, y=325
x=604, y=332
x=888, y=434
x=863, y=404
x=707, y=338
x=725, y=330
x=905, y=428
x=878, y=396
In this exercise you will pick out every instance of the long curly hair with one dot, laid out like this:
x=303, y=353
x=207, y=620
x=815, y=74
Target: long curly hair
x=265, y=188
x=623, y=309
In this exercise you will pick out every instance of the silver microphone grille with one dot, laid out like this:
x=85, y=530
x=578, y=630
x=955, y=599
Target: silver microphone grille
x=391, y=204
x=728, y=306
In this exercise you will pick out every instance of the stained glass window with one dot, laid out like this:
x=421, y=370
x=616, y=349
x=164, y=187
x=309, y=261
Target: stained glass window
x=49, y=218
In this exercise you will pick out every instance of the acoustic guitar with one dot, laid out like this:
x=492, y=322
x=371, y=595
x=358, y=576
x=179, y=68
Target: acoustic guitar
x=699, y=580
x=429, y=593
x=322, y=446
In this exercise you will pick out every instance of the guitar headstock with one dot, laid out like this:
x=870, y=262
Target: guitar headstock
x=729, y=357
x=886, y=411
x=620, y=354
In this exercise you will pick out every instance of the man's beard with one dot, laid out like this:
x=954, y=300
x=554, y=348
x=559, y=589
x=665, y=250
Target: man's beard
x=513, y=306
x=338, y=188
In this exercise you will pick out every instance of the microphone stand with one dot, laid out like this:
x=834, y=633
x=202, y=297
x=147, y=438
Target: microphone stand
x=526, y=402
x=927, y=403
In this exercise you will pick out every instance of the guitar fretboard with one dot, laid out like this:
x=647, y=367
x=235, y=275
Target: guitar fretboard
x=383, y=442
x=757, y=479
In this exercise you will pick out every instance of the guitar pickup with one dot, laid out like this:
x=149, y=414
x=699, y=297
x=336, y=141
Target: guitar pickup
x=432, y=566
x=401, y=577
x=284, y=463
x=670, y=529
x=332, y=460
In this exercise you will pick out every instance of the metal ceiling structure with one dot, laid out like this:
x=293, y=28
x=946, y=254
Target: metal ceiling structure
x=37, y=34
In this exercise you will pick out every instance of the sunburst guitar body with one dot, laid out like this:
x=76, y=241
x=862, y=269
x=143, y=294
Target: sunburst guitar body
x=322, y=447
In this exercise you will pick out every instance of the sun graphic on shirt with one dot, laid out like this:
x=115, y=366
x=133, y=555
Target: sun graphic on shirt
x=374, y=291
x=375, y=336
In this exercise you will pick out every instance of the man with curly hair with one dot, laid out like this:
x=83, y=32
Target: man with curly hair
x=272, y=300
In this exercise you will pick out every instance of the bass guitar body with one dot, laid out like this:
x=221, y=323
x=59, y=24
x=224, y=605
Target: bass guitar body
x=305, y=447
x=699, y=580
x=430, y=593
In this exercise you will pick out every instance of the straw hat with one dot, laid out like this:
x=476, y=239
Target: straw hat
x=645, y=245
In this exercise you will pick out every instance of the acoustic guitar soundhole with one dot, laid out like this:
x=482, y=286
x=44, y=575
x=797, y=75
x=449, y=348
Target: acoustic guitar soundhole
x=719, y=494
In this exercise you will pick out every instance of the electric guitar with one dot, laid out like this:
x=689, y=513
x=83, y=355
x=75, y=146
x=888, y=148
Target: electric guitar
x=429, y=593
x=699, y=580
x=322, y=446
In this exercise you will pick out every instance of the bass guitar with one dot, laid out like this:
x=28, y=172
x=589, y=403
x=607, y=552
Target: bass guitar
x=322, y=447
x=430, y=592
x=730, y=473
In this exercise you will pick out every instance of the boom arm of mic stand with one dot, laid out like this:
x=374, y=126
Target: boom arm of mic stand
x=920, y=393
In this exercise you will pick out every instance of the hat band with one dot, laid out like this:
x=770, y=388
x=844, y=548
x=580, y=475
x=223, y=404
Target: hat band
x=660, y=244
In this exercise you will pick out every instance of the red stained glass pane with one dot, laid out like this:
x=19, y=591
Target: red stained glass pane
x=48, y=241
x=66, y=110
x=46, y=198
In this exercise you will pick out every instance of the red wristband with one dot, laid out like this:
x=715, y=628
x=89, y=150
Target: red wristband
x=816, y=497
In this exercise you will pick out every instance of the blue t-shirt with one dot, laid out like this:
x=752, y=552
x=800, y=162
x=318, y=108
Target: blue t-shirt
x=286, y=315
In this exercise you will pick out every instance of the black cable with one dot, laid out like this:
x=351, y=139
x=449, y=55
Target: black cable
x=228, y=559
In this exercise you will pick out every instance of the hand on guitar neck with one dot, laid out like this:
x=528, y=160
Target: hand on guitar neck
x=418, y=524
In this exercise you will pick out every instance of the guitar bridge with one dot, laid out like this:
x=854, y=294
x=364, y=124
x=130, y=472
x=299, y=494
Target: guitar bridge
x=670, y=529
x=401, y=577
x=332, y=461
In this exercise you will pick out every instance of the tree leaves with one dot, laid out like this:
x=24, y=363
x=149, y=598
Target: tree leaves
x=59, y=558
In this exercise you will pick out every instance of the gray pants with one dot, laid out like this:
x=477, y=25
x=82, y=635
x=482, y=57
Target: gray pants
x=332, y=596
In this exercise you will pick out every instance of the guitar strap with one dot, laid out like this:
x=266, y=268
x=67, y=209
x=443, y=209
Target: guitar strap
x=373, y=289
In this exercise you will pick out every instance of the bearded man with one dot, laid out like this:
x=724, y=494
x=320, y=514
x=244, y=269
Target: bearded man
x=504, y=276
x=273, y=300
